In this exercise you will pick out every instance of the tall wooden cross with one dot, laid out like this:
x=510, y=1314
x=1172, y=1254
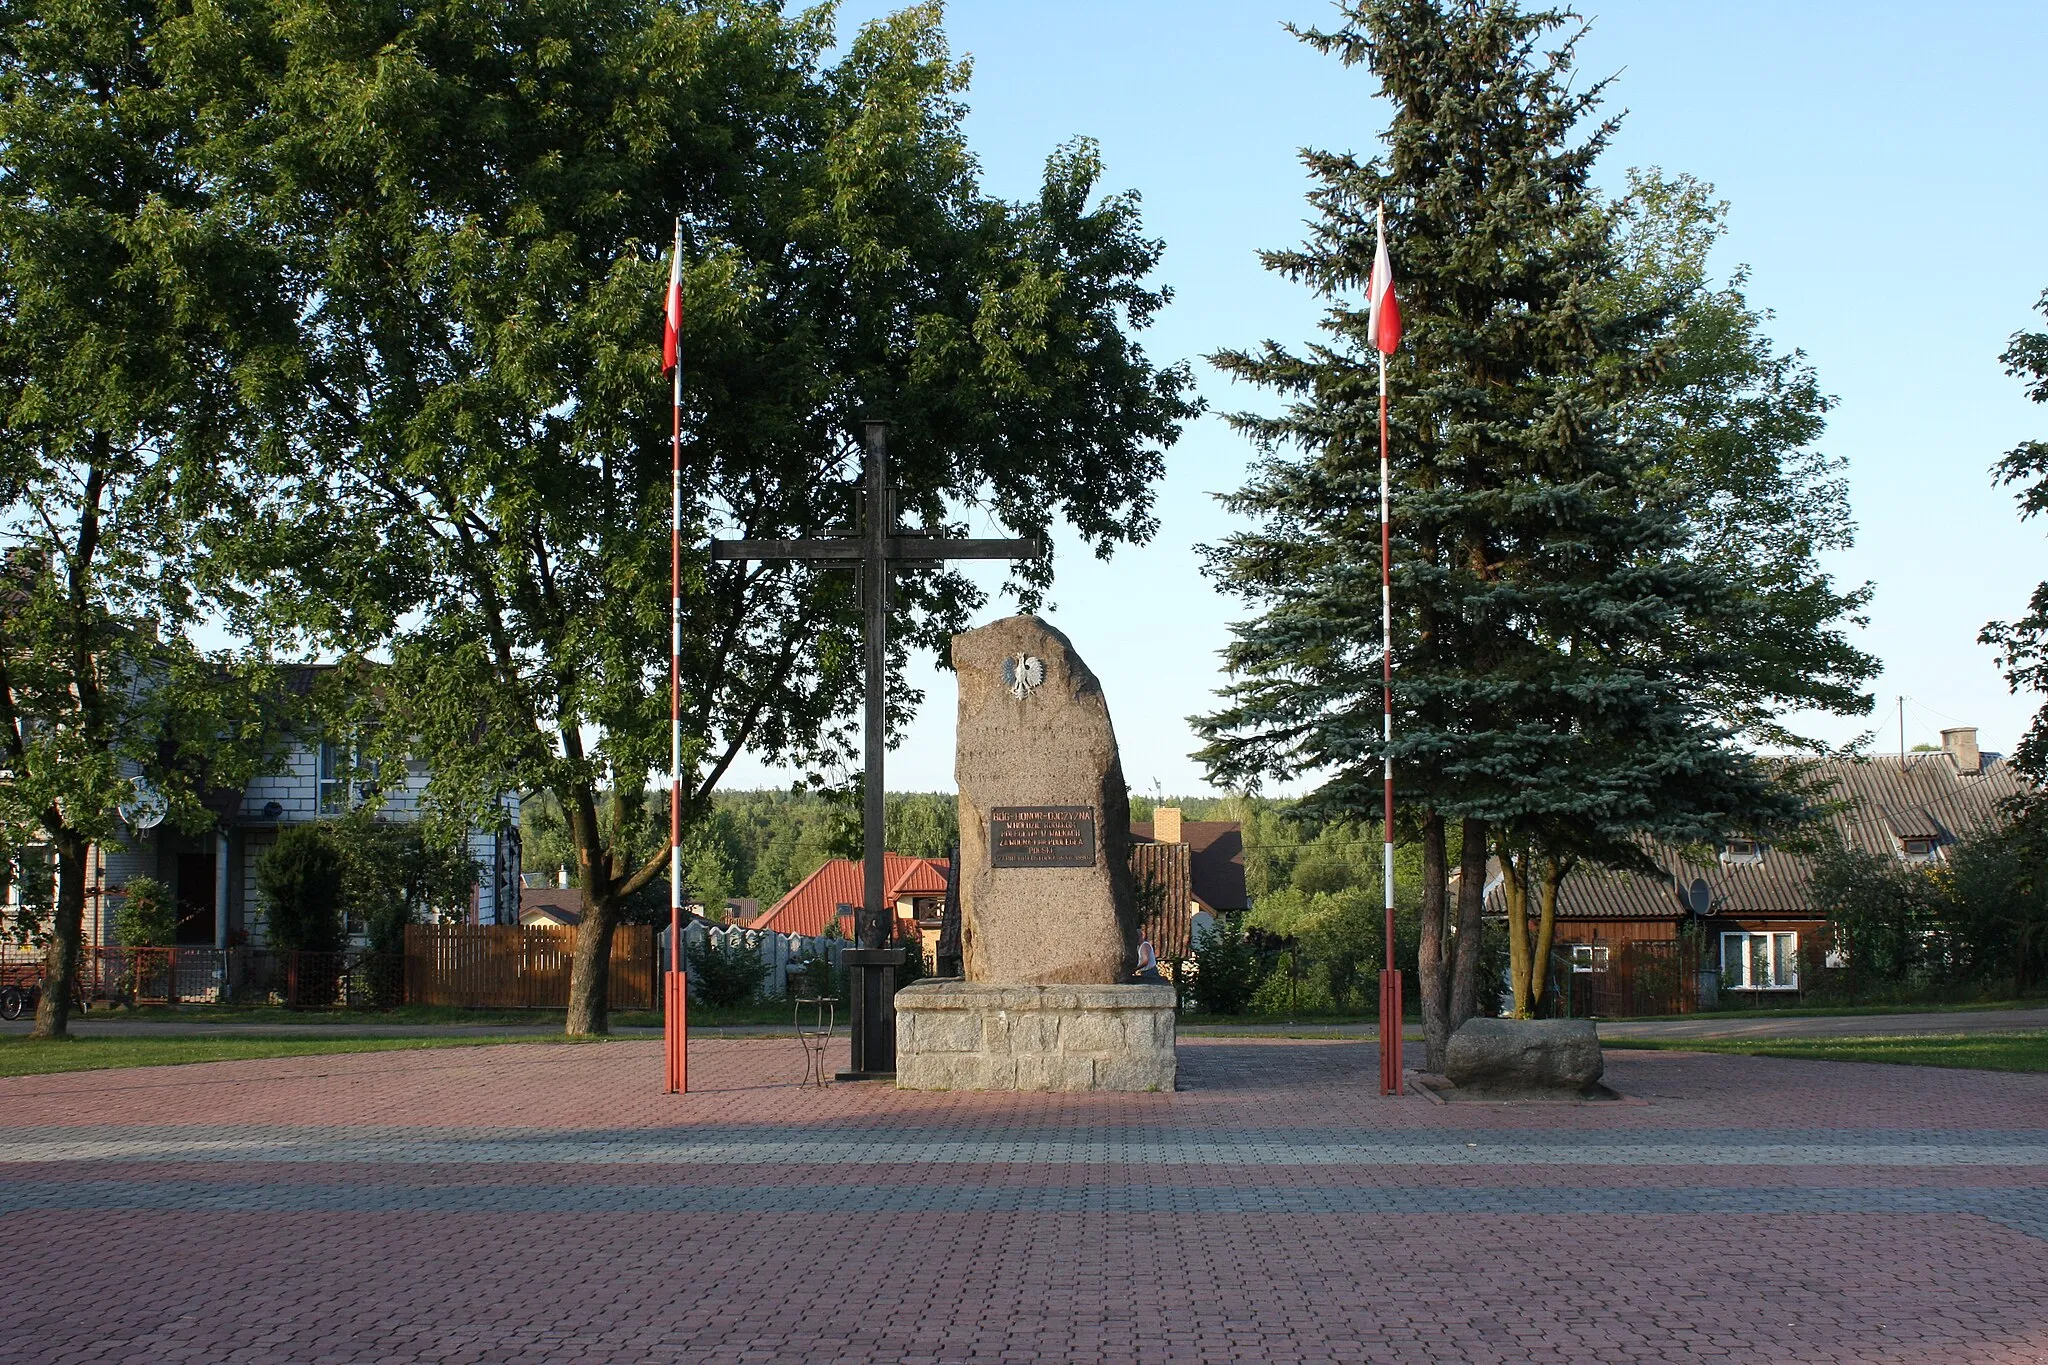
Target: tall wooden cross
x=878, y=551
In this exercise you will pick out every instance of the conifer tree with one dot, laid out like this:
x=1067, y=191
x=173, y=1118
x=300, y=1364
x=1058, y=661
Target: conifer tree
x=1550, y=675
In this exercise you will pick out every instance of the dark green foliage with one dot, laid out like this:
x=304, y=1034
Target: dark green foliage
x=298, y=881
x=753, y=843
x=324, y=882
x=916, y=967
x=1228, y=969
x=148, y=918
x=2023, y=644
x=141, y=340
x=476, y=203
x=1570, y=661
x=1975, y=924
x=394, y=874
x=728, y=973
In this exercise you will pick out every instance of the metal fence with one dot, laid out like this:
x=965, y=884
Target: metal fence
x=226, y=976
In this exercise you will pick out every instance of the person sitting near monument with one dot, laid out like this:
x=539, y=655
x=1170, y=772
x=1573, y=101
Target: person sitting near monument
x=1148, y=959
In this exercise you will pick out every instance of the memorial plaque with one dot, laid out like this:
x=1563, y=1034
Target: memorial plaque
x=1041, y=836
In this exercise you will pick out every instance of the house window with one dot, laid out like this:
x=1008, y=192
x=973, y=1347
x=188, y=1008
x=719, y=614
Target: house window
x=1917, y=850
x=1589, y=957
x=1760, y=962
x=339, y=764
x=1742, y=851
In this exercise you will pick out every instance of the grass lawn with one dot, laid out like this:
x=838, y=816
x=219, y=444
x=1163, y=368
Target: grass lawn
x=2018, y=1051
x=21, y=1056
x=1832, y=1011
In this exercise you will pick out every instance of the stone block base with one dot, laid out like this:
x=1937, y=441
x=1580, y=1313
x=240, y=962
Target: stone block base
x=964, y=1035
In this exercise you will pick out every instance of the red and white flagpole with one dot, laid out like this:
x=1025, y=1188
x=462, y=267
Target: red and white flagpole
x=675, y=1031
x=1385, y=325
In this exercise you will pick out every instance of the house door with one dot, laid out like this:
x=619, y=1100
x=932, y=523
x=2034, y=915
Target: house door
x=195, y=899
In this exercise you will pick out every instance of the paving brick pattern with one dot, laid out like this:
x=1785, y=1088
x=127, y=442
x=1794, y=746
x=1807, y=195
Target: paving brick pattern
x=524, y=1204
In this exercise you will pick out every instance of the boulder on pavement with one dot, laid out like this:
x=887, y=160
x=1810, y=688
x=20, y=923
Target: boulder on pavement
x=1513, y=1058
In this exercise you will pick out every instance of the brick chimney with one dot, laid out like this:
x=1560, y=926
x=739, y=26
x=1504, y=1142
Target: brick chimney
x=1166, y=824
x=1961, y=743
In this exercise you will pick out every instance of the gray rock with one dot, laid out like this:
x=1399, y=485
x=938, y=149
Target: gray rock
x=1511, y=1057
x=1035, y=745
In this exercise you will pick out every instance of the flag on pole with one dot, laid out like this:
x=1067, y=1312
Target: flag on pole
x=672, y=329
x=1385, y=322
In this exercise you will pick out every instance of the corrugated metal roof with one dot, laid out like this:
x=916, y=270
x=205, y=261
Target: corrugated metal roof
x=814, y=902
x=1874, y=802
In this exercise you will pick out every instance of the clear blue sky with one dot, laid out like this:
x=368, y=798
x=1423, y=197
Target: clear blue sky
x=1887, y=167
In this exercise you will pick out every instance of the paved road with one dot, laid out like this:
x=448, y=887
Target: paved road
x=522, y=1204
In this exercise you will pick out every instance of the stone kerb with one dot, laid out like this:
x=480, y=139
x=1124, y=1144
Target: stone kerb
x=964, y=1035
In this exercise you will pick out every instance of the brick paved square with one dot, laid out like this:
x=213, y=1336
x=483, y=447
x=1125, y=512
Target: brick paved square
x=545, y=1203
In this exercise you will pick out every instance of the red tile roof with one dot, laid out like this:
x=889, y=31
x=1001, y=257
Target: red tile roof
x=814, y=902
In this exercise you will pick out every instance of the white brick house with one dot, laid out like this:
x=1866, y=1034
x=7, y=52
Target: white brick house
x=212, y=876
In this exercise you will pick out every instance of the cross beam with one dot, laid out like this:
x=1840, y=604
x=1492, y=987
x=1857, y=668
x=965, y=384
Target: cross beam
x=881, y=548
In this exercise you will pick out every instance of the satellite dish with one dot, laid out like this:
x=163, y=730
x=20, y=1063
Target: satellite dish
x=146, y=808
x=1700, y=896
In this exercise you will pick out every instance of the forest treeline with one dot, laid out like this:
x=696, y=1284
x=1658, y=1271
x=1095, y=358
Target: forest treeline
x=759, y=844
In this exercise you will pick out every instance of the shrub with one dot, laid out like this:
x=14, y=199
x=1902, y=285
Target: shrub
x=915, y=967
x=147, y=917
x=1293, y=986
x=727, y=973
x=299, y=881
x=1226, y=968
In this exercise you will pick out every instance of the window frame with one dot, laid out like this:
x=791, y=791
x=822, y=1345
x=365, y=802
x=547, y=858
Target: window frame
x=1744, y=959
x=336, y=789
x=1598, y=958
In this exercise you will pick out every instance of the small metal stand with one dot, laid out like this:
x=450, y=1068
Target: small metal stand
x=814, y=1033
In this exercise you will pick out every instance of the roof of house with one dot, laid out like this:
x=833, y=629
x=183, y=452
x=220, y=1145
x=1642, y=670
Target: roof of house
x=1874, y=805
x=554, y=904
x=814, y=902
x=1215, y=860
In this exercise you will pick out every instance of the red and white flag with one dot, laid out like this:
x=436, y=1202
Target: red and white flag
x=1385, y=318
x=672, y=329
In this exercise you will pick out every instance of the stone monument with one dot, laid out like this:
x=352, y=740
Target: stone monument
x=1048, y=925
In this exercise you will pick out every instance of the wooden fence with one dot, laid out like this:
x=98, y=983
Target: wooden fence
x=511, y=966
x=1636, y=979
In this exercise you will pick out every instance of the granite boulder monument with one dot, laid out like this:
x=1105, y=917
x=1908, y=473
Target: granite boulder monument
x=1048, y=923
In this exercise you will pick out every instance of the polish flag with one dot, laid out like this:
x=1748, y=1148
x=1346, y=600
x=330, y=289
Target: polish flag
x=1385, y=323
x=672, y=328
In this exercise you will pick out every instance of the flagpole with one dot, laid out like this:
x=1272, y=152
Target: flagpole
x=1390, y=978
x=675, y=1013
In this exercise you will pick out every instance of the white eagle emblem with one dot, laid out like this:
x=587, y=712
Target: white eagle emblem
x=1022, y=674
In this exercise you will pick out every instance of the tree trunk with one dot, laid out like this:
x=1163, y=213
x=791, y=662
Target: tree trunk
x=1515, y=891
x=1471, y=911
x=590, y=972
x=590, y=977
x=1430, y=964
x=60, y=960
x=1554, y=873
